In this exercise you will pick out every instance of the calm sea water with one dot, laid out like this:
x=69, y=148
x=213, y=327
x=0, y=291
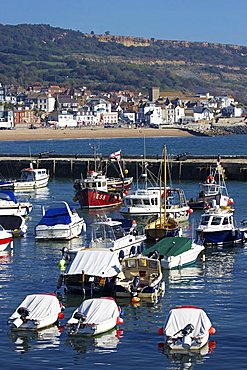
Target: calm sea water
x=219, y=285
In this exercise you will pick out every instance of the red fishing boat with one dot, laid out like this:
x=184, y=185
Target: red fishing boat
x=99, y=191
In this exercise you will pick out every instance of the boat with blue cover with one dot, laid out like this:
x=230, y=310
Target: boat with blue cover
x=9, y=205
x=61, y=222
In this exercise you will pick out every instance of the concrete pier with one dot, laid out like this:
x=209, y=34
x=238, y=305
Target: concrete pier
x=192, y=168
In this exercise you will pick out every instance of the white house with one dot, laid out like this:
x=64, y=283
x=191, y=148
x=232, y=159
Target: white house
x=150, y=114
x=202, y=113
x=65, y=119
x=87, y=118
x=7, y=119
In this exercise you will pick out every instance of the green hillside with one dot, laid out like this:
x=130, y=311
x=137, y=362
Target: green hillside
x=41, y=53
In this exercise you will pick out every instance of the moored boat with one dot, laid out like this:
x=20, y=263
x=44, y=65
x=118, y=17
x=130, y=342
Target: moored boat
x=213, y=189
x=163, y=226
x=186, y=329
x=118, y=235
x=217, y=227
x=95, y=316
x=140, y=278
x=37, y=311
x=175, y=252
x=10, y=206
x=60, y=223
x=5, y=239
x=93, y=192
x=30, y=179
x=92, y=272
x=14, y=224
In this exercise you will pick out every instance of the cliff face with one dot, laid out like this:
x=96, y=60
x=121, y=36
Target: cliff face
x=142, y=41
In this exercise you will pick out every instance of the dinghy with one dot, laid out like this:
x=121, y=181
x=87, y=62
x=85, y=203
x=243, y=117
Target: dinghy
x=37, y=311
x=95, y=316
x=186, y=329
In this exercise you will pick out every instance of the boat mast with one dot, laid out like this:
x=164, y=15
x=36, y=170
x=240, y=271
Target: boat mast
x=164, y=184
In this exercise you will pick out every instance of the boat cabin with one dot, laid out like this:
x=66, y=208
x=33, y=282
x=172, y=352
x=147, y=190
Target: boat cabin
x=216, y=221
x=146, y=268
x=30, y=174
x=95, y=180
x=106, y=233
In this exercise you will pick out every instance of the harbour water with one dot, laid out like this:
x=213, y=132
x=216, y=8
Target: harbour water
x=218, y=285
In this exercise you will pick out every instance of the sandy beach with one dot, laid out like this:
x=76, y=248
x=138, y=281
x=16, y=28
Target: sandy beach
x=86, y=133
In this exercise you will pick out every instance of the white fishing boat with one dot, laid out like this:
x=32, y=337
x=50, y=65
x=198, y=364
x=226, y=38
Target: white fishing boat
x=140, y=278
x=186, y=329
x=10, y=206
x=31, y=178
x=213, y=189
x=217, y=227
x=121, y=236
x=60, y=223
x=92, y=272
x=95, y=316
x=37, y=311
x=14, y=224
x=5, y=239
x=149, y=200
x=175, y=252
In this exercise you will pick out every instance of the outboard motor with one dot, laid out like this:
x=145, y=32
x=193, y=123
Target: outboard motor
x=186, y=339
x=121, y=255
x=135, y=285
x=81, y=318
x=23, y=312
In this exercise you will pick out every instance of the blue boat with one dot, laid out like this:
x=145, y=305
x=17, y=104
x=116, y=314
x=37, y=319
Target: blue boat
x=217, y=227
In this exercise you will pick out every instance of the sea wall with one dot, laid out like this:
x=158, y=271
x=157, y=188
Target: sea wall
x=190, y=168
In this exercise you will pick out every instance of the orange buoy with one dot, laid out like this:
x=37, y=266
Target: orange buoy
x=135, y=299
x=211, y=330
x=60, y=315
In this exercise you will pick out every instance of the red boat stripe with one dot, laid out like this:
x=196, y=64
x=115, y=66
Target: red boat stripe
x=6, y=240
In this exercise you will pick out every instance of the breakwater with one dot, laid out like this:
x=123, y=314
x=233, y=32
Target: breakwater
x=181, y=167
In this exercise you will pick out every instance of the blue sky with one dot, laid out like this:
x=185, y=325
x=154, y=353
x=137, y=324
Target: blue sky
x=222, y=21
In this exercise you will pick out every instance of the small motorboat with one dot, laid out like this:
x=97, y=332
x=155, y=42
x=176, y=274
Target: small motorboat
x=95, y=316
x=10, y=206
x=30, y=179
x=61, y=223
x=118, y=235
x=37, y=311
x=140, y=278
x=175, y=252
x=186, y=329
x=14, y=224
x=217, y=227
x=92, y=272
x=5, y=239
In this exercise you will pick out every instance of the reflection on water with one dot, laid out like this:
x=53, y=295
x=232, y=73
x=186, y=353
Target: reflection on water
x=187, y=360
x=39, y=340
x=106, y=342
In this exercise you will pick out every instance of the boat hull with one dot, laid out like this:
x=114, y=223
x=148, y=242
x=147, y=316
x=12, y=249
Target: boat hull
x=222, y=237
x=89, y=198
x=60, y=231
x=182, y=260
x=5, y=240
